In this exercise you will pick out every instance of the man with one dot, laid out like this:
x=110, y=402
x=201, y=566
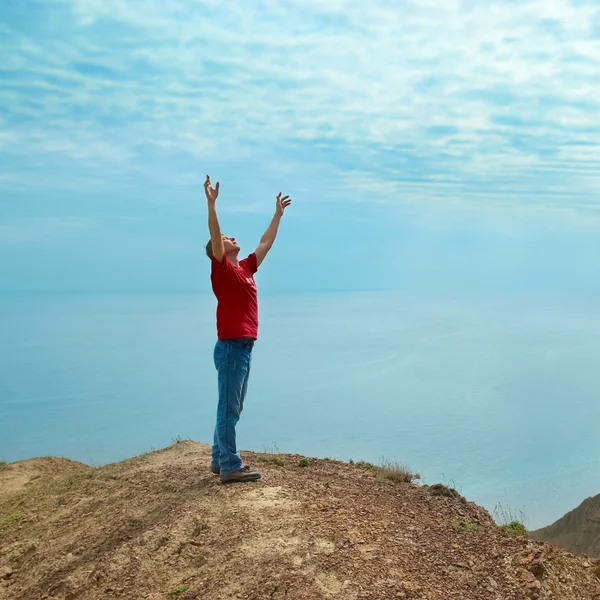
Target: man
x=237, y=329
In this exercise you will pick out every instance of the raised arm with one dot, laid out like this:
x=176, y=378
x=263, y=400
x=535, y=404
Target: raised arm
x=266, y=241
x=216, y=238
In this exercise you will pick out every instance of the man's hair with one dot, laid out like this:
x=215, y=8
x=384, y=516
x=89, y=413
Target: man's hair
x=209, y=250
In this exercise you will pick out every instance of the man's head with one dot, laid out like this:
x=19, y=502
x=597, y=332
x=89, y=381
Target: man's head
x=231, y=247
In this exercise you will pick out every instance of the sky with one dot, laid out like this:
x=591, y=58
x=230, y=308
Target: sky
x=439, y=144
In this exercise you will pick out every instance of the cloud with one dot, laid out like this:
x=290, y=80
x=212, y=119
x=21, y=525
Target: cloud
x=484, y=105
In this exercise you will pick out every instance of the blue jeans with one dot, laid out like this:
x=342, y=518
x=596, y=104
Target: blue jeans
x=232, y=361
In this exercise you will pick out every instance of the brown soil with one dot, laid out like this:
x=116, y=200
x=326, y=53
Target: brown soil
x=139, y=529
x=16, y=476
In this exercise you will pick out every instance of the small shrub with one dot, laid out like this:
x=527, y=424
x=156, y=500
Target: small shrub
x=513, y=522
x=464, y=525
x=273, y=455
x=515, y=529
x=366, y=465
x=397, y=472
x=350, y=462
x=272, y=448
x=174, y=592
x=439, y=489
x=3, y=464
x=303, y=462
x=450, y=483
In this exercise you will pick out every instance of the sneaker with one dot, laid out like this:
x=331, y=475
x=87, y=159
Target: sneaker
x=241, y=476
x=216, y=470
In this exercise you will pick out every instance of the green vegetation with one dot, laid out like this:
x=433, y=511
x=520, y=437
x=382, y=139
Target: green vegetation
x=396, y=472
x=366, y=465
x=272, y=455
x=3, y=464
x=389, y=470
x=439, y=489
x=303, y=462
x=451, y=484
x=464, y=525
x=9, y=519
x=174, y=592
x=513, y=522
x=515, y=529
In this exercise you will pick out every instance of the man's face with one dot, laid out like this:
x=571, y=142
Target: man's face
x=230, y=245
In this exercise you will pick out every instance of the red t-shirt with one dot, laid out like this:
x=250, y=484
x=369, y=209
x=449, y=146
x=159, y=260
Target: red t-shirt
x=237, y=301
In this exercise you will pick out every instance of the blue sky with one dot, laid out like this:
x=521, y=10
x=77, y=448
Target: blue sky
x=442, y=144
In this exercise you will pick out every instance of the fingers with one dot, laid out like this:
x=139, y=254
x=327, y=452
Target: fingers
x=207, y=185
x=284, y=202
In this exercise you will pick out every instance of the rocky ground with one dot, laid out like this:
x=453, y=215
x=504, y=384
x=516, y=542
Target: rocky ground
x=161, y=526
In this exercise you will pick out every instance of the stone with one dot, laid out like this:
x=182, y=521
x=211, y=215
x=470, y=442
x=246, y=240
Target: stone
x=6, y=572
x=534, y=589
x=536, y=565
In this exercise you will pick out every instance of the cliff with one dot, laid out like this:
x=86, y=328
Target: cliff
x=161, y=526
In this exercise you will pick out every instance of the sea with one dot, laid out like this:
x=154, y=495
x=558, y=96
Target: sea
x=495, y=395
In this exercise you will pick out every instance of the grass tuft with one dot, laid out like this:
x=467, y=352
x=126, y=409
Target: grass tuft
x=464, y=525
x=439, y=489
x=174, y=592
x=10, y=519
x=363, y=464
x=513, y=522
x=272, y=455
x=304, y=462
x=396, y=472
x=515, y=529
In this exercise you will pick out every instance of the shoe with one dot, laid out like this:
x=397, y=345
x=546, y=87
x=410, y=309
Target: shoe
x=242, y=476
x=216, y=470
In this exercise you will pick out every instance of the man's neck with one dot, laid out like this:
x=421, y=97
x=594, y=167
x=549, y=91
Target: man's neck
x=233, y=259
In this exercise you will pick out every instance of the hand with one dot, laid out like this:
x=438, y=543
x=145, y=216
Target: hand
x=282, y=204
x=210, y=191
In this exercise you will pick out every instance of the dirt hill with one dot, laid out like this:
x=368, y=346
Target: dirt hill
x=578, y=530
x=161, y=526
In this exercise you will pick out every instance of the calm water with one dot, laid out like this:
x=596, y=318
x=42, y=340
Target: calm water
x=496, y=395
